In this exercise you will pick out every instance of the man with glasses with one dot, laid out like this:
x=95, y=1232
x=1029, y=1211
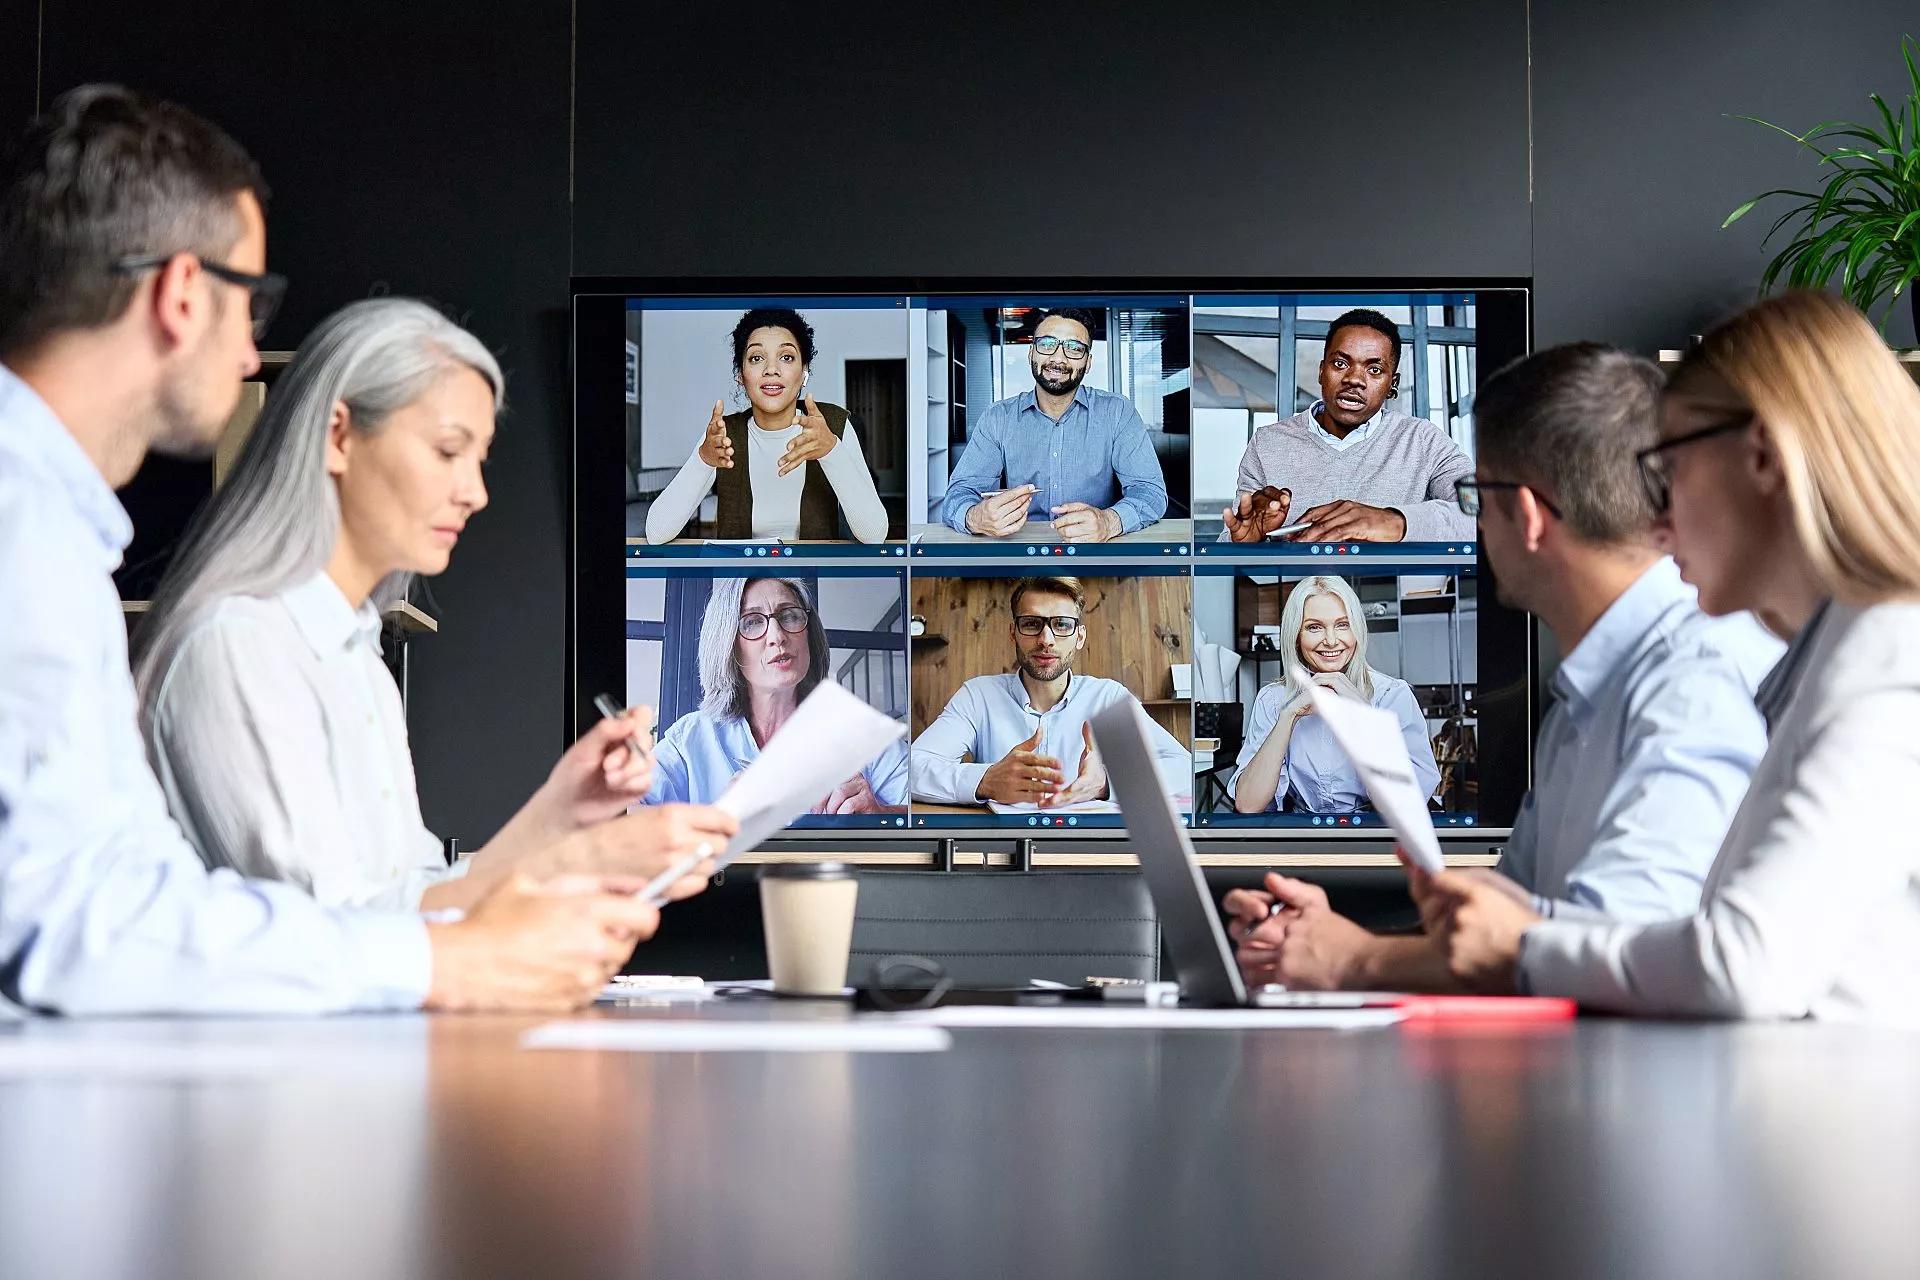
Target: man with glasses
x=132, y=287
x=1348, y=468
x=1023, y=738
x=1065, y=451
x=1653, y=732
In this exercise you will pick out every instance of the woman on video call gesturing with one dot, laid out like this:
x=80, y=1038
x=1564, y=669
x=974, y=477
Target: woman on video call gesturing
x=784, y=467
x=1323, y=638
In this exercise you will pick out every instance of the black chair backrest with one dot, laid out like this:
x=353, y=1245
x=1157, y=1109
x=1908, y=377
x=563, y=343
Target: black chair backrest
x=994, y=929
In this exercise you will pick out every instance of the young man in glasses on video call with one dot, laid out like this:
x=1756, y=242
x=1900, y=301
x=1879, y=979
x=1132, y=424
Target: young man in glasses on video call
x=1063, y=451
x=1024, y=734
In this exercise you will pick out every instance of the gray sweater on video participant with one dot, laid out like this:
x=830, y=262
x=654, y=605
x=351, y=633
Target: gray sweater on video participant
x=1402, y=462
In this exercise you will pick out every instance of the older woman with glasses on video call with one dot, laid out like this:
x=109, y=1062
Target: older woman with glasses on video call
x=1787, y=478
x=1287, y=752
x=763, y=649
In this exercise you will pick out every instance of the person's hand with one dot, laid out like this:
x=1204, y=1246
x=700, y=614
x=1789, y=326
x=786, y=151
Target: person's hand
x=1022, y=775
x=538, y=946
x=600, y=775
x=715, y=449
x=645, y=843
x=1304, y=946
x=816, y=440
x=1478, y=926
x=1079, y=522
x=1254, y=515
x=1338, y=682
x=1090, y=783
x=854, y=795
x=1345, y=521
x=1000, y=514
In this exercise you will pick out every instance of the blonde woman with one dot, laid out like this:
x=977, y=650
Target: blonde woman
x=1323, y=641
x=1787, y=475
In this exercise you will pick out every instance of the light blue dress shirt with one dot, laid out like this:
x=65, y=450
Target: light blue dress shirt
x=1340, y=444
x=1317, y=768
x=1097, y=453
x=989, y=716
x=697, y=757
x=1644, y=757
x=104, y=906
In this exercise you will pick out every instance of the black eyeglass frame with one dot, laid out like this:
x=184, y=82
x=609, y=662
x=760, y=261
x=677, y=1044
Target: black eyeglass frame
x=1466, y=495
x=265, y=289
x=1047, y=622
x=741, y=623
x=1654, y=480
x=1061, y=345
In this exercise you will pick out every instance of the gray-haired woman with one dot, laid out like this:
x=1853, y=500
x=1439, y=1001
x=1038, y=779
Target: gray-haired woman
x=763, y=648
x=276, y=733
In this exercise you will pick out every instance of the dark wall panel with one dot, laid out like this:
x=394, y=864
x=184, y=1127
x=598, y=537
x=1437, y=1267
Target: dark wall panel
x=19, y=61
x=1636, y=163
x=415, y=148
x=1102, y=139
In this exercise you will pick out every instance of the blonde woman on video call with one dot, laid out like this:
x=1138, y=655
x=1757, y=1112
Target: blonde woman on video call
x=1288, y=752
x=272, y=724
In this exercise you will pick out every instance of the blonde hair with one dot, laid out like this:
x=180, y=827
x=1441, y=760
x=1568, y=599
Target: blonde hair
x=1293, y=618
x=1844, y=418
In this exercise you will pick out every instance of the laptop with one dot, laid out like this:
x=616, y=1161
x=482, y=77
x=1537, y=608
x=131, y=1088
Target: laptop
x=1196, y=940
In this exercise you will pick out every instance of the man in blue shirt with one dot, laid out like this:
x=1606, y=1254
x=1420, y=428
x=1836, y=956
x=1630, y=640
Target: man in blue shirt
x=1063, y=451
x=1023, y=739
x=132, y=285
x=1653, y=735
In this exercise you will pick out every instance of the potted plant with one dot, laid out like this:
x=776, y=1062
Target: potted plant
x=1863, y=224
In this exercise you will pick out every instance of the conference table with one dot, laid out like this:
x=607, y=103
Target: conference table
x=417, y=1146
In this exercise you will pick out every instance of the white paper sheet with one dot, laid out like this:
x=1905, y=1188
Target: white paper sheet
x=1371, y=738
x=1106, y=1017
x=1027, y=806
x=719, y=1035
x=830, y=737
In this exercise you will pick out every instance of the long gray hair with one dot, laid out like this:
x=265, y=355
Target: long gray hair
x=273, y=524
x=723, y=690
x=1294, y=617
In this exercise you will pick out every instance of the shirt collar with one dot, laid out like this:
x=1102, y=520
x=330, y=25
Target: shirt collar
x=35, y=431
x=1777, y=690
x=327, y=621
x=1082, y=395
x=1360, y=432
x=1617, y=634
x=1026, y=703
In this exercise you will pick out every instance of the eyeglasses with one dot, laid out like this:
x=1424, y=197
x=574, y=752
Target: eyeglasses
x=1075, y=349
x=264, y=290
x=1032, y=624
x=1467, y=494
x=1656, y=480
x=791, y=617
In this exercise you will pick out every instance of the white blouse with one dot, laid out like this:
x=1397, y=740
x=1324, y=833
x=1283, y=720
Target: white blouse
x=280, y=742
x=776, y=498
x=1812, y=909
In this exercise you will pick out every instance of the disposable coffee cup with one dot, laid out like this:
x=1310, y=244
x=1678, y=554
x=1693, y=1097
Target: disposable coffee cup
x=807, y=909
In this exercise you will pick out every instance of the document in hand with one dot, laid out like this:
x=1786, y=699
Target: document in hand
x=1371, y=739
x=831, y=736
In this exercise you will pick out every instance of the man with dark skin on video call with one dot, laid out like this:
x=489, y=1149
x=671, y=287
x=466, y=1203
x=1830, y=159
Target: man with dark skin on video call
x=1349, y=441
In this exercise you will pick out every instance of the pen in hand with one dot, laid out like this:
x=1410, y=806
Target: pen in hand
x=604, y=703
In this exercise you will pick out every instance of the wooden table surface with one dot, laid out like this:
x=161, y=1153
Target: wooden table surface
x=414, y=1146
